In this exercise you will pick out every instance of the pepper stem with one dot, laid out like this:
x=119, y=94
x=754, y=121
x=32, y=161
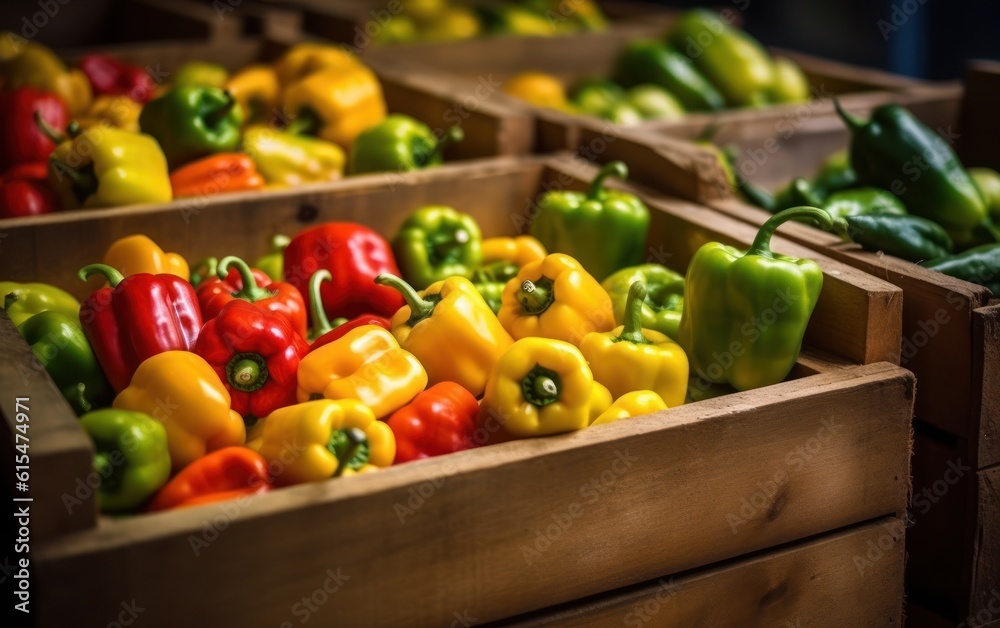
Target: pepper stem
x=536, y=296
x=420, y=307
x=247, y=372
x=762, y=243
x=251, y=291
x=211, y=266
x=214, y=118
x=320, y=323
x=306, y=122
x=632, y=328
x=453, y=135
x=355, y=440
x=113, y=276
x=55, y=136
x=9, y=299
x=852, y=121
x=616, y=168
x=541, y=386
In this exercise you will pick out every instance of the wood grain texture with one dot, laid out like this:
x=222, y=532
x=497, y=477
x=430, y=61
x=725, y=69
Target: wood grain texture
x=985, y=599
x=663, y=491
x=986, y=384
x=803, y=584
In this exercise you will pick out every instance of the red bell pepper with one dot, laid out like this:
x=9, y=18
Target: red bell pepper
x=110, y=76
x=355, y=255
x=222, y=475
x=137, y=317
x=440, y=420
x=322, y=331
x=252, y=286
x=21, y=141
x=256, y=354
x=25, y=191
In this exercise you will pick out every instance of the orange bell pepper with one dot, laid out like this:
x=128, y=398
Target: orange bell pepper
x=224, y=172
x=220, y=476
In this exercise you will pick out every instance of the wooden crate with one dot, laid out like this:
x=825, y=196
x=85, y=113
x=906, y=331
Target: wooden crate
x=735, y=478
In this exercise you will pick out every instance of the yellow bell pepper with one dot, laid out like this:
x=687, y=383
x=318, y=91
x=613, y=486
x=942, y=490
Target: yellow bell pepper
x=181, y=390
x=120, y=112
x=286, y=160
x=366, y=364
x=257, y=90
x=139, y=254
x=541, y=386
x=318, y=440
x=521, y=250
x=555, y=298
x=539, y=89
x=631, y=358
x=37, y=66
x=336, y=105
x=635, y=403
x=304, y=59
x=451, y=330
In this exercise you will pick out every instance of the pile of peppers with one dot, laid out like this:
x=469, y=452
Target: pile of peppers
x=107, y=134
x=339, y=352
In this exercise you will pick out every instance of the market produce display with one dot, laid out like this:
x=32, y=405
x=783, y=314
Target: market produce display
x=702, y=64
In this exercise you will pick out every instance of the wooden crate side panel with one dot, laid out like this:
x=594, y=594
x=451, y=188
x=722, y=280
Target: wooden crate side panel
x=500, y=529
x=805, y=584
x=984, y=603
x=986, y=383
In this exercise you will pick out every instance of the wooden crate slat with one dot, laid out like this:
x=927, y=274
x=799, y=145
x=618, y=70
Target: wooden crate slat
x=986, y=384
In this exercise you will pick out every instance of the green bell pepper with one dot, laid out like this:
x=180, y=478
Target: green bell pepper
x=437, y=242
x=490, y=280
x=835, y=174
x=596, y=96
x=664, y=302
x=200, y=73
x=491, y=292
x=911, y=238
x=192, y=121
x=399, y=144
x=131, y=458
x=647, y=61
x=605, y=230
x=867, y=201
x=61, y=347
x=24, y=300
x=654, y=103
x=745, y=312
x=980, y=265
x=273, y=263
x=623, y=113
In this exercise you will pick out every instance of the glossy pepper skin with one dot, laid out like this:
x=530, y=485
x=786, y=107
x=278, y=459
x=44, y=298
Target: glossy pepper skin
x=979, y=265
x=193, y=121
x=257, y=90
x=518, y=250
x=366, y=364
x=25, y=191
x=435, y=243
x=131, y=457
x=632, y=404
x=490, y=280
x=631, y=358
x=649, y=62
x=400, y=144
x=222, y=475
x=555, y=298
x=604, y=229
x=224, y=172
x=323, y=439
x=335, y=105
x=120, y=112
x=24, y=300
x=911, y=238
x=308, y=58
x=663, y=303
x=449, y=313
x=541, y=386
x=275, y=297
x=109, y=76
x=323, y=332
x=35, y=65
x=727, y=292
x=866, y=201
x=181, y=390
x=441, y=420
x=60, y=346
x=138, y=253
x=136, y=317
x=286, y=160
x=355, y=255
x=21, y=141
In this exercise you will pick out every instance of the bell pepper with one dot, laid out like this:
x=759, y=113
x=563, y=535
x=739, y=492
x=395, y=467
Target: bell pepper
x=987, y=181
x=107, y=167
x=181, y=390
x=136, y=317
x=911, y=238
x=517, y=250
x=257, y=90
x=323, y=332
x=366, y=364
x=539, y=89
x=25, y=191
x=895, y=151
x=193, y=121
x=286, y=160
x=450, y=313
x=453, y=23
x=632, y=404
x=224, y=172
x=136, y=254
x=109, y=76
x=37, y=66
x=222, y=475
x=790, y=83
x=866, y=201
x=745, y=312
x=335, y=105
x=661, y=308
x=604, y=229
x=131, y=457
x=60, y=346
x=631, y=358
x=435, y=243
x=654, y=103
x=492, y=293
x=490, y=279
x=21, y=141
x=354, y=255
x=200, y=74
x=649, y=62
x=731, y=59
x=596, y=96
x=979, y=265
x=307, y=58
x=24, y=300
x=555, y=298
x=273, y=262
x=541, y=386
x=275, y=297
x=323, y=439
x=834, y=175
x=400, y=144
x=120, y=112
x=439, y=421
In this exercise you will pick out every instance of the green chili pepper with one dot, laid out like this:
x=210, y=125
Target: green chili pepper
x=834, y=175
x=399, y=144
x=980, y=265
x=647, y=61
x=911, y=238
x=437, y=242
x=661, y=309
x=193, y=121
x=797, y=193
